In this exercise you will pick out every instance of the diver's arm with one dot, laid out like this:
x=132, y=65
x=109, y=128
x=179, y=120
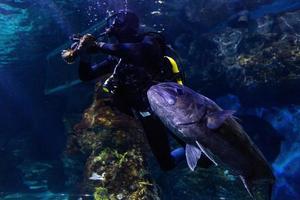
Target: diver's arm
x=126, y=49
x=88, y=72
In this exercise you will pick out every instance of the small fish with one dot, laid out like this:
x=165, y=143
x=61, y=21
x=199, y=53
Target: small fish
x=210, y=131
x=97, y=177
x=156, y=12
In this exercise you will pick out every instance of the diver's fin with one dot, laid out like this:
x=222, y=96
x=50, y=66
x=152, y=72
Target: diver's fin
x=192, y=154
x=208, y=154
x=247, y=186
x=216, y=119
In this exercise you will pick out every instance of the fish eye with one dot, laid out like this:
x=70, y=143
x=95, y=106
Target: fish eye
x=171, y=101
x=170, y=98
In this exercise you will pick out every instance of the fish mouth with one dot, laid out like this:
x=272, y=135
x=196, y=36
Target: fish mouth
x=155, y=99
x=158, y=95
x=153, y=94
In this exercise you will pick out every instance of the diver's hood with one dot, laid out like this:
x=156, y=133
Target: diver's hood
x=122, y=23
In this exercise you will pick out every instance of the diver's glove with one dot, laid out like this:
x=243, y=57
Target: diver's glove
x=81, y=46
x=86, y=43
x=68, y=56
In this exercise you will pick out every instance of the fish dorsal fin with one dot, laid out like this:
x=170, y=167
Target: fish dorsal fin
x=216, y=119
x=206, y=153
x=192, y=154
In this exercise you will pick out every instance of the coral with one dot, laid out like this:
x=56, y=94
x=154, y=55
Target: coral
x=258, y=60
x=101, y=193
x=115, y=146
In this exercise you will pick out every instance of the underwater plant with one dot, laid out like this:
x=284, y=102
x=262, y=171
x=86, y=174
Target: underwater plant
x=114, y=143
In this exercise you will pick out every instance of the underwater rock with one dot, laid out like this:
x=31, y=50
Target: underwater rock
x=212, y=183
x=289, y=22
x=241, y=20
x=228, y=42
x=199, y=12
x=259, y=63
x=115, y=147
x=11, y=178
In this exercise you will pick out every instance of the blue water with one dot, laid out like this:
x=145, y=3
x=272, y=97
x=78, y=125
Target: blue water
x=38, y=91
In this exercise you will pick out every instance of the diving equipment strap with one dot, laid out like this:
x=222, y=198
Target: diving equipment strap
x=175, y=70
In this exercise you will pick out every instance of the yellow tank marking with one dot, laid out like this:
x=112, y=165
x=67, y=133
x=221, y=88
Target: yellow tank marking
x=175, y=69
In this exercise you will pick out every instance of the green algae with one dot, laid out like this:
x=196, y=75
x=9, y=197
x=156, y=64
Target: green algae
x=115, y=146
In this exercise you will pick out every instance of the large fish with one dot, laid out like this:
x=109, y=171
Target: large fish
x=208, y=130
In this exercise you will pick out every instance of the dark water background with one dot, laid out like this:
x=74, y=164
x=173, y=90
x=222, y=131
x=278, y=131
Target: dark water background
x=243, y=54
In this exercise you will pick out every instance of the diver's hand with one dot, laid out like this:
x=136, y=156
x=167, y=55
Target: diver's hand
x=68, y=56
x=86, y=42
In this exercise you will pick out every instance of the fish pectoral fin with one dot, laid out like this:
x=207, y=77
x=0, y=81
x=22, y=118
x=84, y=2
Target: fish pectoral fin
x=206, y=153
x=216, y=119
x=192, y=154
x=187, y=123
x=247, y=186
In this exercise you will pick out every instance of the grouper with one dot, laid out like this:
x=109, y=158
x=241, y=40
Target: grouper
x=208, y=130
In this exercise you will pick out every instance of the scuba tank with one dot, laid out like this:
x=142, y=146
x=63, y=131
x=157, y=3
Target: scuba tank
x=170, y=69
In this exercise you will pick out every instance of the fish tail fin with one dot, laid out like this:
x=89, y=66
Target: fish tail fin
x=248, y=186
x=266, y=186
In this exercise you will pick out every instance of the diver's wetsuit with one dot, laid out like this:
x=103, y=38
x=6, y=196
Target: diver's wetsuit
x=136, y=67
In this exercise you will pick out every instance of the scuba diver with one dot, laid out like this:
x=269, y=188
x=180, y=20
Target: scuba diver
x=136, y=61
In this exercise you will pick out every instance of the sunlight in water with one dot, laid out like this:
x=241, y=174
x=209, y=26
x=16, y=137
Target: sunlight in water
x=12, y=27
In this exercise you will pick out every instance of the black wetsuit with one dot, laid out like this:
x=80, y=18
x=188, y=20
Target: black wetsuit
x=136, y=67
